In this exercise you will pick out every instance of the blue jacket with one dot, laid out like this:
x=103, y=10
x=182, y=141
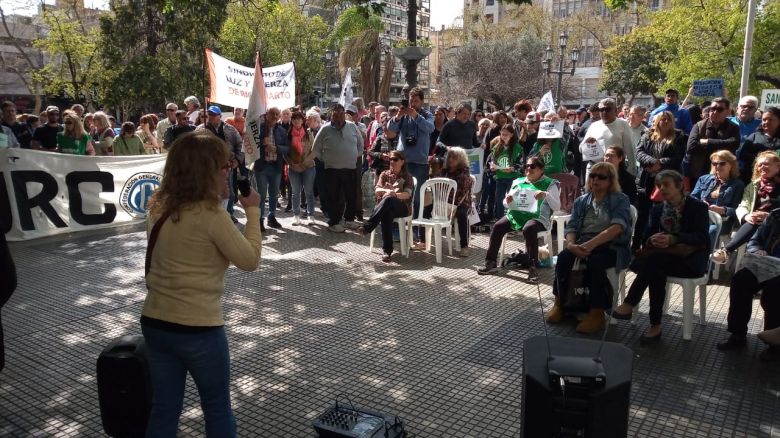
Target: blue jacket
x=730, y=195
x=421, y=128
x=682, y=119
x=619, y=210
x=694, y=230
x=745, y=129
x=282, y=147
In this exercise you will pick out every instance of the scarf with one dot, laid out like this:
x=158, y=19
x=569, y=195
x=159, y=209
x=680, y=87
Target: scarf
x=296, y=140
x=766, y=193
x=671, y=217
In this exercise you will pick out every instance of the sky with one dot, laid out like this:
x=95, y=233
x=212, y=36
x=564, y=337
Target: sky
x=444, y=12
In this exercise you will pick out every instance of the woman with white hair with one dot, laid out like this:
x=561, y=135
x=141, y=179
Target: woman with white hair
x=193, y=105
x=102, y=134
x=456, y=167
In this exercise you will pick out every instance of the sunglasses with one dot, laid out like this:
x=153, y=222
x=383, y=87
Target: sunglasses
x=748, y=106
x=717, y=109
x=170, y=110
x=598, y=176
x=719, y=163
x=531, y=166
x=395, y=159
x=68, y=123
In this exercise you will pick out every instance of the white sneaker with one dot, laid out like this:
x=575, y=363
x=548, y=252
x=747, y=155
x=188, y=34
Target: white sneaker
x=352, y=225
x=336, y=228
x=296, y=220
x=309, y=221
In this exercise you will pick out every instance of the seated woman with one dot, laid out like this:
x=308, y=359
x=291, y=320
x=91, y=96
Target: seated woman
x=615, y=156
x=393, y=195
x=760, y=274
x=600, y=231
x=386, y=141
x=759, y=198
x=676, y=244
x=721, y=190
x=767, y=138
x=456, y=167
x=547, y=193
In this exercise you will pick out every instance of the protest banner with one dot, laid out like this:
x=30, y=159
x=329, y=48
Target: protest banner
x=346, y=89
x=45, y=193
x=231, y=83
x=475, y=167
x=257, y=106
x=708, y=87
x=769, y=97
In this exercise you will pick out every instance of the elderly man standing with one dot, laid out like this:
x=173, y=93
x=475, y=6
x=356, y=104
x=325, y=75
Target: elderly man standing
x=709, y=135
x=460, y=131
x=338, y=145
x=229, y=135
x=619, y=132
x=746, y=117
x=167, y=122
x=273, y=148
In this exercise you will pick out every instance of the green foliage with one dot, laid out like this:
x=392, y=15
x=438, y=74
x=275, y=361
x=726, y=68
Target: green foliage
x=71, y=53
x=632, y=65
x=281, y=33
x=617, y=4
x=152, y=51
x=421, y=42
x=352, y=23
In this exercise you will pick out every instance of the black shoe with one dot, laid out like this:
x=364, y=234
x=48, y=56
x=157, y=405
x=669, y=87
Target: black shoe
x=532, y=277
x=288, y=209
x=648, y=340
x=771, y=354
x=233, y=218
x=490, y=267
x=273, y=223
x=732, y=343
x=262, y=226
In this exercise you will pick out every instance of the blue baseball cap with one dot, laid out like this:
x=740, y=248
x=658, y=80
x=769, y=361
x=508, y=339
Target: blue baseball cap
x=214, y=110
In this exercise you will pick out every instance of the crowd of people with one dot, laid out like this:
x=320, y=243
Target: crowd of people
x=648, y=188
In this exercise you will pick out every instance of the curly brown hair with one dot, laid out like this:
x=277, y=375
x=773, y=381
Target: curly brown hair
x=191, y=175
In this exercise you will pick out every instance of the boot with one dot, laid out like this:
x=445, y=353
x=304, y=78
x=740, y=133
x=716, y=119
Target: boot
x=555, y=314
x=592, y=323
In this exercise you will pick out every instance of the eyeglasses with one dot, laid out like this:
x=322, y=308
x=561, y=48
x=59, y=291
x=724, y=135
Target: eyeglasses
x=68, y=123
x=531, y=166
x=748, y=106
x=395, y=159
x=719, y=163
x=170, y=110
x=717, y=109
x=610, y=156
x=598, y=176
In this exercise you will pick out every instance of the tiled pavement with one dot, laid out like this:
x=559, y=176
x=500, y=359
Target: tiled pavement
x=436, y=344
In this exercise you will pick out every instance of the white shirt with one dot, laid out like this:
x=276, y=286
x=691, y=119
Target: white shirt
x=621, y=135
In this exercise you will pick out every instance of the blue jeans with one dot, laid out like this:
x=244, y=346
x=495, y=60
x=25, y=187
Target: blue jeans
x=232, y=191
x=268, y=179
x=206, y=357
x=419, y=171
x=502, y=188
x=487, y=198
x=303, y=180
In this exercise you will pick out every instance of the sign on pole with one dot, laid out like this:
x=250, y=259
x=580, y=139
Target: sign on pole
x=231, y=83
x=769, y=97
x=346, y=90
x=257, y=106
x=708, y=87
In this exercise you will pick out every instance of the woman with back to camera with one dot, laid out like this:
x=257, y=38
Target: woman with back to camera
x=456, y=168
x=192, y=242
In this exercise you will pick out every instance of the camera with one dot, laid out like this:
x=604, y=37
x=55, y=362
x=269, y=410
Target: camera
x=405, y=102
x=243, y=185
x=410, y=140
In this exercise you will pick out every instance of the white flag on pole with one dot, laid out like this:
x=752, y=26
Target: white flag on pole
x=346, y=89
x=257, y=107
x=547, y=103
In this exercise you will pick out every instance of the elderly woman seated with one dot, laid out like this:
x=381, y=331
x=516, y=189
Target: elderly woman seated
x=761, y=272
x=599, y=231
x=721, y=190
x=547, y=195
x=676, y=243
x=456, y=168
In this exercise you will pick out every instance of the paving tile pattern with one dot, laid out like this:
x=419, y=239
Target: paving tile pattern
x=435, y=344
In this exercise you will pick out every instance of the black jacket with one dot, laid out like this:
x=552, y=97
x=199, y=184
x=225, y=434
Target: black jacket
x=627, y=184
x=7, y=272
x=649, y=152
x=755, y=143
x=697, y=156
x=694, y=230
x=767, y=237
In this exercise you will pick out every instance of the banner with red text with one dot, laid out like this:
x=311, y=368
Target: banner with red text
x=231, y=83
x=47, y=193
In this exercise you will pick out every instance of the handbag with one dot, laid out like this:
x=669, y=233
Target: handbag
x=474, y=216
x=575, y=297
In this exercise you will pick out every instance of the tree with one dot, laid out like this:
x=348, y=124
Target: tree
x=26, y=62
x=71, y=51
x=497, y=72
x=152, y=50
x=633, y=65
x=282, y=33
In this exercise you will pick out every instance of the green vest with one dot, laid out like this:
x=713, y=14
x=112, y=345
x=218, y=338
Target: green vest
x=554, y=161
x=518, y=218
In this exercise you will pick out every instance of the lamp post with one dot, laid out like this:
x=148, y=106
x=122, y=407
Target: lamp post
x=329, y=56
x=547, y=63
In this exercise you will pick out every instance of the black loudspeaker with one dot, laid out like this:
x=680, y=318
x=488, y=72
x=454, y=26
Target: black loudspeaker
x=124, y=387
x=569, y=393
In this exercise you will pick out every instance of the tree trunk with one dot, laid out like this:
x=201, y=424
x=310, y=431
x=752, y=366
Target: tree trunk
x=773, y=80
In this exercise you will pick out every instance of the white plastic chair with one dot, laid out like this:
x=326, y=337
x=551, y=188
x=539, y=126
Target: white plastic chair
x=689, y=288
x=441, y=217
x=618, y=279
x=735, y=260
x=403, y=225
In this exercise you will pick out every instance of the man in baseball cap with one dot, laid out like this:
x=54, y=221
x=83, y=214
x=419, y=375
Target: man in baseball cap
x=45, y=136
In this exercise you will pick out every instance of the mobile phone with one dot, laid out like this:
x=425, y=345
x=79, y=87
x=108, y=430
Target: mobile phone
x=243, y=185
x=404, y=102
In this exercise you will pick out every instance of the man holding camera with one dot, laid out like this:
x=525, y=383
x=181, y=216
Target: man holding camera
x=414, y=126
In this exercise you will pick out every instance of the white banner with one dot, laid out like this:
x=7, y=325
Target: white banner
x=231, y=83
x=346, y=89
x=547, y=103
x=45, y=193
x=258, y=105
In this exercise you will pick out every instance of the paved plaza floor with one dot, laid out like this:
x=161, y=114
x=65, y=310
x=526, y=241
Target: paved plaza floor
x=436, y=344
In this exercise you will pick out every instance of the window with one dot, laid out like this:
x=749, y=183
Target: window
x=655, y=4
x=490, y=2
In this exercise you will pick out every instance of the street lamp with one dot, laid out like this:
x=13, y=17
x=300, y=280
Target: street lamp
x=547, y=63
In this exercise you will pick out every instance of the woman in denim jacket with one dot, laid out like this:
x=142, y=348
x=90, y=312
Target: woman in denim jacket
x=600, y=232
x=721, y=190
